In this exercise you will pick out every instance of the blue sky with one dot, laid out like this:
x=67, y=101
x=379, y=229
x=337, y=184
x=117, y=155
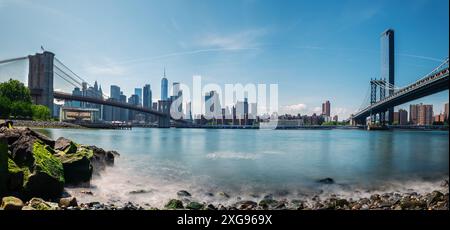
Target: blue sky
x=314, y=50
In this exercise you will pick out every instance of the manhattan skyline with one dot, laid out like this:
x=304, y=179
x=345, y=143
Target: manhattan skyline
x=330, y=54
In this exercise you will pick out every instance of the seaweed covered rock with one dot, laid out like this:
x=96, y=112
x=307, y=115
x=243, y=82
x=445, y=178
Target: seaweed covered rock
x=47, y=175
x=3, y=164
x=76, y=163
x=11, y=203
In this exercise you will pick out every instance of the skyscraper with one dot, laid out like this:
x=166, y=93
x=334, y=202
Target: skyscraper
x=326, y=108
x=446, y=111
x=425, y=114
x=147, y=97
x=138, y=93
x=164, y=87
x=387, y=64
x=115, y=92
x=402, y=117
x=413, y=114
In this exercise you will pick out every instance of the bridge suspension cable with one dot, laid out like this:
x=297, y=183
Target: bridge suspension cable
x=12, y=60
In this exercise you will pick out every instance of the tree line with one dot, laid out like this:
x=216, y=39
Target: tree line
x=15, y=102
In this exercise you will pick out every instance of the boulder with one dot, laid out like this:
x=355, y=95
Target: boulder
x=16, y=176
x=68, y=202
x=194, y=205
x=65, y=145
x=47, y=177
x=174, y=204
x=40, y=204
x=268, y=203
x=326, y=181
x=102, y=158
x=3, y=164
x=22, y=151
x=183, y=193
x=246, y=205
x=11, y=203
x=77, y=166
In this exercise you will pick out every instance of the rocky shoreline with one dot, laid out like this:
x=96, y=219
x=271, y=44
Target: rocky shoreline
x=45, y=124
x=35, y=170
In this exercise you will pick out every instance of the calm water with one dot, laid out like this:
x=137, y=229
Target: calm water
x=251, y=163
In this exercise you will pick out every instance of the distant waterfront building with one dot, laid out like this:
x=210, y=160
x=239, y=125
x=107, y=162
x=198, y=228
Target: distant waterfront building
x=326, y=108
x=335, y=118
x=147, y=97
x=446, y=111
x=425, y=115
x=138, y=92
x=413, y=114
x=440, y=118
x=401, y=117
x=115, y=92
x=164, y=87
x=133, y=100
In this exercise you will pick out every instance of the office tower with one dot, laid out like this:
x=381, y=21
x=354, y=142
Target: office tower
x=138, y=92
x=402, y=117
x=253, y=111
x=176, y=89
x=123, y=116
x=425, y=114
x=133, y=100
x=188, y=115
x=396, y=120
x=413, y=114
x=147, y=97
x=164, y=87
x=115, y=92
x=387, y=65
x=446, y=111
x=76, y=92
x=326, y=108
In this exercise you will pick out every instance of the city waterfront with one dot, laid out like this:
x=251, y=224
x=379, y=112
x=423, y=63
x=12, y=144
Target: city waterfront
x=213, y=164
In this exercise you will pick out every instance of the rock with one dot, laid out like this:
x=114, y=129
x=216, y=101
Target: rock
x=68, y=202
x=28, y=208
x=174, y=204
x=444, y=184
x=77, y=166
x=268, y=197
x=183, y=193
x=223, y=195
x=65, y=145
x=110, y=156
x=434, y=197
x=326, y=181
x=22, y=151
x=408, y=203
x=210, y=207
x=194, y=205
x=15, y=176
x=4, y=165
x=11, y=203
x=341, y=203
x=246, y=205
x=268, y=203
x=102, y=158
x=298, y=204
x=87, y=192
x=40, y=204
x=209, y=194
x=47, y=179
x=139, y=191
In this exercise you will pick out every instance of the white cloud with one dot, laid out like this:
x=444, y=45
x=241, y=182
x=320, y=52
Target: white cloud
x=108, y=69
x=241, y=40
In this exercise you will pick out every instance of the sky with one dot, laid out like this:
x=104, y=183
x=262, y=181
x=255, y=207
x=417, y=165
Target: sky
x=314, y=50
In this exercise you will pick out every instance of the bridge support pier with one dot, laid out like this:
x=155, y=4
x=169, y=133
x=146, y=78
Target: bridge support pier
x=40, y=79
